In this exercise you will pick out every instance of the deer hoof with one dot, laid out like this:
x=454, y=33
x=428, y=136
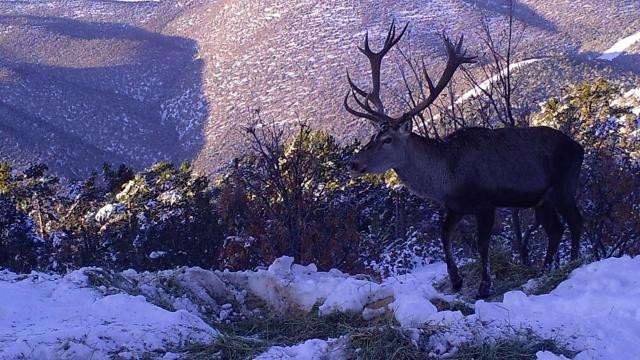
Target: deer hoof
x=456, y=283
x=484, y=291
x=574, y=255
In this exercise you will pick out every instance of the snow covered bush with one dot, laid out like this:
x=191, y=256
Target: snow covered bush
x=163, y=217
x=19, y=241
x=22, y=248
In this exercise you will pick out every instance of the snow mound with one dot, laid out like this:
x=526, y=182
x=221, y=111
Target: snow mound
x=52, y=317
x=597, y=309
x=548, y=355
x=285, y=285
x=594, y=312
x=198, y=291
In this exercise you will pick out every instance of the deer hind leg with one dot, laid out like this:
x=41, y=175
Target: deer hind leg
x=546, y=215
x=450, y=222
x=565, y=199
x=573, y=218
x=484, y=223
x=570, y=213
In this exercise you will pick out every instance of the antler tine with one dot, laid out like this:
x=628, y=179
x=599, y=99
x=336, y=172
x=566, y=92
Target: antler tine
x=375, y=60
x=427, y=77
x=358, y=113
x=392, y=39
x=365, y=106
x=456, y=57
x=366, y=49
x=456, y=52
x=391, y=34
x=354, y=86
x=355, y=90
x=459, y=44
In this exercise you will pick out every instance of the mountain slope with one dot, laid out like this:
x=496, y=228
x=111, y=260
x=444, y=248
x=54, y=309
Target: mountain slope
x=90, y=81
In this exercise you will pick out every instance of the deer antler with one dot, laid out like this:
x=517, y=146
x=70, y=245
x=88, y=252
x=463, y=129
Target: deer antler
x=456, y=57
x=378, y=114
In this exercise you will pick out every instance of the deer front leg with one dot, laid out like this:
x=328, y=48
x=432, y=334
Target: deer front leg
x=484, y=223
x=450, y=222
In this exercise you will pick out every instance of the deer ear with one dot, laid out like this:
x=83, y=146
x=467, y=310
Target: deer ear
x=406, y=126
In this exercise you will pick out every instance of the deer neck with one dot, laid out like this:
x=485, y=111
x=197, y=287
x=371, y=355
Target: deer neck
x=424, y=170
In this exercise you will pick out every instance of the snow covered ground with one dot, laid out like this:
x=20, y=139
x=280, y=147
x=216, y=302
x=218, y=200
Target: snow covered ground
x=52, y=317
x=314, y=349
x=619, y=47
x=596, y=312
x=485, y=85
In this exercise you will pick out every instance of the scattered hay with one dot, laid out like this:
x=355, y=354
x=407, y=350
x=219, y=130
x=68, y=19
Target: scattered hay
x=522, y=346
x=549, y=281
x=382, y=342
x=251, y=336
x=506, y=275
x=456, y=305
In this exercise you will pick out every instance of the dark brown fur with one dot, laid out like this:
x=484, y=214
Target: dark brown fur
x=476, y=170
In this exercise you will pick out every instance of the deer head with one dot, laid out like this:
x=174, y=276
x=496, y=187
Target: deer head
x=388, y=147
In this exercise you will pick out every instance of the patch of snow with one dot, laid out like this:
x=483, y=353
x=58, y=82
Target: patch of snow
x=530, y=285
x=106, y=212
x=478, y=90
x=285, y=285
x=157, y=254
x=314, y=349
x=412, y=294
x=53, y=317
x=198, y=291
x=633, y=96
x=170, y=197
x=548, y=355
x=619, y=47
x=633, y=93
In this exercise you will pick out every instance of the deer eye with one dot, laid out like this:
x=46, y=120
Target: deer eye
x=387, y=141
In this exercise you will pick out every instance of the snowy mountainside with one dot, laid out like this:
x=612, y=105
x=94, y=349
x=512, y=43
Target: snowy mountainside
x=289, y=58
x=91, y=311
x=85, y=82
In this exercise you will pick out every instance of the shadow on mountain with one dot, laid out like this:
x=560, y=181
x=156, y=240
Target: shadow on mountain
x=629, y=62
x=522, y=12
x=80, y=93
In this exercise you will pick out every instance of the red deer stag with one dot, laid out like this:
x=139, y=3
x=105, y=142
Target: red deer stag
x=474, y=170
